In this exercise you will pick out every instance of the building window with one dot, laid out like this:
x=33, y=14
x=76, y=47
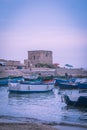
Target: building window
x=46, y=54
x=34, y=57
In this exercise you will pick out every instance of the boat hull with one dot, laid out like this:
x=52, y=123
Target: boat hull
x=68, y=86
x=81, y=101
x=82, y=85
x=29, y=88
x=4, y=81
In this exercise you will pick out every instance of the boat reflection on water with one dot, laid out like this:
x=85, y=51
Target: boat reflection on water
x=27, y=96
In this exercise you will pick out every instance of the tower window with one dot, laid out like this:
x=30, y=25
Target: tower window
x=46, y=54
x=34, y=57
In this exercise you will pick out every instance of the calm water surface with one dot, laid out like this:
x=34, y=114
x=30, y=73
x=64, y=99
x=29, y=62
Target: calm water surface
x=44, y=107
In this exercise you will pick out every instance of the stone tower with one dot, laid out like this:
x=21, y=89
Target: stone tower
x=40, y=56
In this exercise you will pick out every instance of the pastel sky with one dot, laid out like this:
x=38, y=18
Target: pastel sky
x=56, y=25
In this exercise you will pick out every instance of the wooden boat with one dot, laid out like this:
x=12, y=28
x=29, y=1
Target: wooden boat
x=4, y=81
x=36, y=78
x=32, y=77
x=68, y=85
x=80, y=102
x=30, y=87
x=59, y=80
x=67, y=82
x=82, y=85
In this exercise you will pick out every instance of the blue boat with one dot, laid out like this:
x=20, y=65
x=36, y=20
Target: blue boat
x=82, y=85
x=4, y=81
x=68, y=85
x=58, y=81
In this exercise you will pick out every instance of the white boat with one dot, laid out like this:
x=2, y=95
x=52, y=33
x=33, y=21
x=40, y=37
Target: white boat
x=24, y=87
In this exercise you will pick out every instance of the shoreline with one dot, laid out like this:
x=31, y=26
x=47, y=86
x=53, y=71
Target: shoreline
x=25, y=126
x=38, y=126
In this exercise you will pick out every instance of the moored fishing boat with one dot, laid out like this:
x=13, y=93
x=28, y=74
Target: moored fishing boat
x=82, y=85
x=3, y=81
x=79, y=100
x=59, y=80
x=30, y=87
x=68, y=85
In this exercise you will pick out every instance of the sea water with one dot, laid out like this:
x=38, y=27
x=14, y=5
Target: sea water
x=45, y=107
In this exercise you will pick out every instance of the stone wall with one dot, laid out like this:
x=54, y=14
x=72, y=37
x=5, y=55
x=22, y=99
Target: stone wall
x=76, y=72
x=43, y=71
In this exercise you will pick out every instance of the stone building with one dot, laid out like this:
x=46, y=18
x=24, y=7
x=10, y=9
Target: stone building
x=27, y=63
x=10, y=63
x=39, y=57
